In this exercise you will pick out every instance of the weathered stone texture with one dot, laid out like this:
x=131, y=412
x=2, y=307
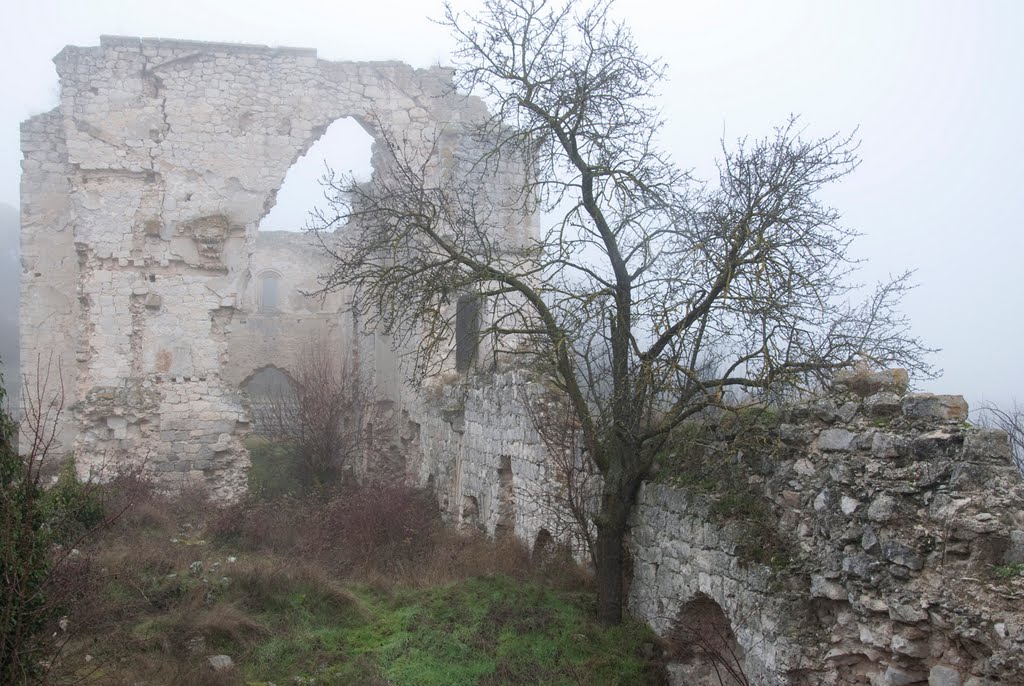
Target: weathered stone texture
x=481, y=453
x=894, y=526
x=141, y=196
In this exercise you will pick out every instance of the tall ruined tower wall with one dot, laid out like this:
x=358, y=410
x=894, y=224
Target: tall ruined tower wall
x=141, y=196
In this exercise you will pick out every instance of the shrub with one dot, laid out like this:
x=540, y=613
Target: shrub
x=277, y=467
x=24, y=559
x=72, y=508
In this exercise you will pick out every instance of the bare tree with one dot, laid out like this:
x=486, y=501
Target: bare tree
x=1009, y=420
x=639, y=272
x=325, y=411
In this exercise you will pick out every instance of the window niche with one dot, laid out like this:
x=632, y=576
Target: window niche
x=268, y=292
x=467, y=331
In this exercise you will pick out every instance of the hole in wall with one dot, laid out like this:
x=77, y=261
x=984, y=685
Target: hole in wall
x=470, y=511
x=273, y=400
x=505, y=525
x=703, y=648
x=346, y=148
x=542, y=547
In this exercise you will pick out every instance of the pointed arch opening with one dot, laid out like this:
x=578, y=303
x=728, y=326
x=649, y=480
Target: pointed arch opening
x=346, y=148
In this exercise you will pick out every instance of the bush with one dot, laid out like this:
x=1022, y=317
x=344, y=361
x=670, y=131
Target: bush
x=72, y=508
x=277, y=467
x=24, y=559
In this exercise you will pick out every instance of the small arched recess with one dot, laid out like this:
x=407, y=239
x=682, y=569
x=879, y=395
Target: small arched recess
x=703, y=650
x=273, y=400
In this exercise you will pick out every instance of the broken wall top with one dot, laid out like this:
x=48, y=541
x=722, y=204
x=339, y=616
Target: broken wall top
x=227, y=121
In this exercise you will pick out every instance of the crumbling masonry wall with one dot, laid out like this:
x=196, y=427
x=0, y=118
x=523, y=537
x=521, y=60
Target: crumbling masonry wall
x=141, y=195
x=899, y=528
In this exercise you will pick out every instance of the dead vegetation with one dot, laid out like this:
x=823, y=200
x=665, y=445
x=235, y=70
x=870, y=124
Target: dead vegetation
x=338, y=588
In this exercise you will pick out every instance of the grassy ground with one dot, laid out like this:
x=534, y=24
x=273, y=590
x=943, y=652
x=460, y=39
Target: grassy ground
x=364, y=587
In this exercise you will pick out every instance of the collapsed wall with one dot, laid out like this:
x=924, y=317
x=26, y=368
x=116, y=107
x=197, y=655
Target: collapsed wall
x=141, y=196
x=874, y=539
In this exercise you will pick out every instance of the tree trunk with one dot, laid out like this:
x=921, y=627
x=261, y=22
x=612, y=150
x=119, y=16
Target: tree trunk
x=618, y=497
x=610, y=556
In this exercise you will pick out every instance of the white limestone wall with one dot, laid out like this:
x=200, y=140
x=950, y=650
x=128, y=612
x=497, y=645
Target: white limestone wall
x=50, y=306
x=479, y=450
x=141, y=197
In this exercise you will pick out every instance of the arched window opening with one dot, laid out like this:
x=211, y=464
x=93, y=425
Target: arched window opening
x=268, y=292
x=345, y=147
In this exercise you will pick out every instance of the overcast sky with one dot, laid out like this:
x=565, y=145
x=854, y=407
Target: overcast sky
x=936, y=89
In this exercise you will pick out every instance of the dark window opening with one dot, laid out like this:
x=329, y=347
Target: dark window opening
x=467, y=331
x=273, y=401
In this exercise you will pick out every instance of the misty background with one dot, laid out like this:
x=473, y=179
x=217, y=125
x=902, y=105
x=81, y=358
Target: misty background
x=10, y=272
x=934, y=89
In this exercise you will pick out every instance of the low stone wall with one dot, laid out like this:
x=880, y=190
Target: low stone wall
x=901, y=525
x=478, y=448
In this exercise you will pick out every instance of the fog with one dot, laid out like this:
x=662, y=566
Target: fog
x=9, y=273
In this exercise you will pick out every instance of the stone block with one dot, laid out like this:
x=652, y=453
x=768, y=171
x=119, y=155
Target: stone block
x=903, y=555
x=220, y=663
x=836, y=440
x=987, y=445
x=885, y=445
x=860, y=565
x=906, y=612
x=848, y=505
x=884, y=404
x=931, y=406
x=882, y=509
x=898, y=676
x=864, y=382
x=823, y=588
x=944, y=675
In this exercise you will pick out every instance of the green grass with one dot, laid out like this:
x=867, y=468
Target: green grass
x=1008, y=571
x=461, y=610
x=486, y=631
x=481, y=631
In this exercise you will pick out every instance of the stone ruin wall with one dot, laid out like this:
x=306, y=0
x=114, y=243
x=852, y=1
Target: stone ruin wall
x=897, y=514
x=141, y=194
